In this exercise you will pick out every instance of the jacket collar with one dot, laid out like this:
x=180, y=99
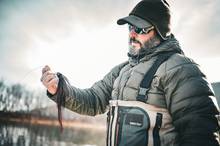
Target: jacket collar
x=170, y=45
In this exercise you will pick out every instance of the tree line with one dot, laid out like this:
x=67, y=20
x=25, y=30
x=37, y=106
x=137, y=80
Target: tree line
x=17, y=98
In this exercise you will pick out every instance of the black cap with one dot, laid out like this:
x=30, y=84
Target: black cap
x=150, y=12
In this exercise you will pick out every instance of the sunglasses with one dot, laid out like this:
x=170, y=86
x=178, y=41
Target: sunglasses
x=140, y=30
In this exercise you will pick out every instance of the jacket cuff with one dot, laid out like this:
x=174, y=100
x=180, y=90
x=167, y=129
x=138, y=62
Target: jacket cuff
x=52, y=96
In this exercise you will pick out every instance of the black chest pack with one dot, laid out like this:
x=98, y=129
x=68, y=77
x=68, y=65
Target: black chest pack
x=135, y=123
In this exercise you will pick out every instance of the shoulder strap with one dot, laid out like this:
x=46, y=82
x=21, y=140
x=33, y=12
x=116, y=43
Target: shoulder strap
x=148, y=77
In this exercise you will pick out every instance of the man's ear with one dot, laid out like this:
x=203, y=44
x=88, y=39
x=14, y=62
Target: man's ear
x=152, y=33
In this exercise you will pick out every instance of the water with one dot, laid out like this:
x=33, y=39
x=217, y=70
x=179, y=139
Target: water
x=20, y=135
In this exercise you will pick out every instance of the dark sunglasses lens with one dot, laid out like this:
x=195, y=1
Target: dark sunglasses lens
x=136, y=29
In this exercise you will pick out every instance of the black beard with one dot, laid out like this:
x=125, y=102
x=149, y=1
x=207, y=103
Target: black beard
x=151, y=43
x=133, y=51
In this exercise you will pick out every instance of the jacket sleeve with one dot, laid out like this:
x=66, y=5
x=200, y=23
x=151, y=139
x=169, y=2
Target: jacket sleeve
x=190, y=102
x=90, y=101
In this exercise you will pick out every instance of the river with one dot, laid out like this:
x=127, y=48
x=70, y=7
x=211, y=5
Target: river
x=35, y=135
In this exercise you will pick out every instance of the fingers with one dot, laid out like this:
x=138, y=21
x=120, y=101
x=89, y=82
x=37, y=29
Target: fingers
x=46, y=75
x=45, y=69
x=49, y=79
x=51, y=83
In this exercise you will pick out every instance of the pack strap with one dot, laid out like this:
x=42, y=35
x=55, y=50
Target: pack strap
x=156, y=130
x=148, y=77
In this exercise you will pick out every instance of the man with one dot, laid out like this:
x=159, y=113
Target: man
x=176, y=108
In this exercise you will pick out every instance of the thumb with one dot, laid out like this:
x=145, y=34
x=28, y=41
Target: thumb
x=45, y=69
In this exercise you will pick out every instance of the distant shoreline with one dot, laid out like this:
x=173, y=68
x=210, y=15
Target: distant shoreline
x=28, y=119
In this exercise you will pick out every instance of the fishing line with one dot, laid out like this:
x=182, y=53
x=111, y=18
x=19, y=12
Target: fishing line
x=60, y=93
x=61, y=100
x=29, y=73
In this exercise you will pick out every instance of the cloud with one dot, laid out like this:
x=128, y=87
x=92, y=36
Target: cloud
x=196, y=25
x=21, y=20
x=28, y=27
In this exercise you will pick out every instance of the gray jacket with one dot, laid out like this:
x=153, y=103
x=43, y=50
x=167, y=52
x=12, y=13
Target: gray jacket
x=178, y=85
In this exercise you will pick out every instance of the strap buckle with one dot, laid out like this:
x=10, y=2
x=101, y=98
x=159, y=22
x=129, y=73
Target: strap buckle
x=143, y=91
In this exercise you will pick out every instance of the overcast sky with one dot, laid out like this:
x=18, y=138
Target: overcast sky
x=80, y=38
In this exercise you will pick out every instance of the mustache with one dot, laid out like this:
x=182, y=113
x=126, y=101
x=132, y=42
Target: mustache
x=134, y=40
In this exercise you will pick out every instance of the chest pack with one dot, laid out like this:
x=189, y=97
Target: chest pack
x=135, y=123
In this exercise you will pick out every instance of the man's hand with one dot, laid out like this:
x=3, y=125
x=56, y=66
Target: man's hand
x=50, y=80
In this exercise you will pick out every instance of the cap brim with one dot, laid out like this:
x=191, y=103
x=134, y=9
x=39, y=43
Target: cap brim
x=134, y=20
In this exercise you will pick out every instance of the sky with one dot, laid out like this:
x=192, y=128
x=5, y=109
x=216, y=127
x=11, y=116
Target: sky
x=81, y=39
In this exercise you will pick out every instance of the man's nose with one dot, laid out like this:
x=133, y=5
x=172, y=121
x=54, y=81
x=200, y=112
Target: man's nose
x=132, y=34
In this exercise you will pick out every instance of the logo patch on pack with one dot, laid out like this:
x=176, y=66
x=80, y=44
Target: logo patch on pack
x=134, y=119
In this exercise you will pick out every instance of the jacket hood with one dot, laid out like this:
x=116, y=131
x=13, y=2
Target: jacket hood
x=170, y=45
